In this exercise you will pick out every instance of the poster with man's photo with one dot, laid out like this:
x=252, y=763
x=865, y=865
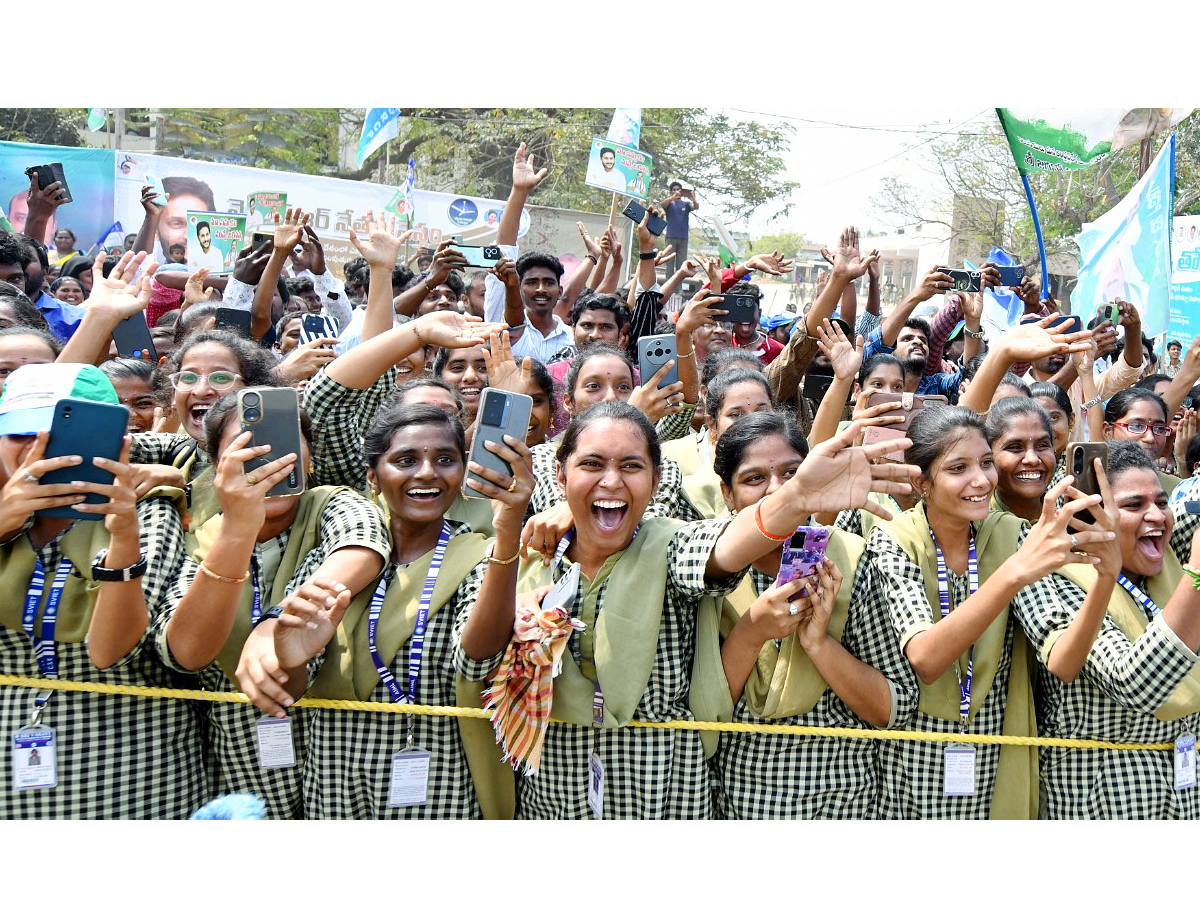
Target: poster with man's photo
x=214, y=240
x=620, y=169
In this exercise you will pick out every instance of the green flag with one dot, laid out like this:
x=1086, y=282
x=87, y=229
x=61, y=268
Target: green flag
x=1061, y=140
x=97, y=118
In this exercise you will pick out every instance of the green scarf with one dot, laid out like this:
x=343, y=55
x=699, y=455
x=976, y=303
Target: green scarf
x=1128, y=614
x=625, y=641
x=304, y=535
x=348, y=672
x=1016, y=792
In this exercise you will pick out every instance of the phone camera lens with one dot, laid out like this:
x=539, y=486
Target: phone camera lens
x=250, y=399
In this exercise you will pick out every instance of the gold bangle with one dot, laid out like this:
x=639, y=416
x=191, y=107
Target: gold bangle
x=502, y=562
x=211, y=574
x=692, y=352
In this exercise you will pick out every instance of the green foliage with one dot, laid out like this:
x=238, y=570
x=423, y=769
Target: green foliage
x=43, y=125
x=788, y=243
x=290, y=140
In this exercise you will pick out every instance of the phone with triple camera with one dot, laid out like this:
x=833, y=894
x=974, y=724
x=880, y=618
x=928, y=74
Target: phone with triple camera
x=272, y=415
x=802, y=553
x=48, y=174
x=737, y=307
x=500, y=413
x=479, y=257
x=637, y=212
x=654, y=352
x=88, y=429
x=258, y=238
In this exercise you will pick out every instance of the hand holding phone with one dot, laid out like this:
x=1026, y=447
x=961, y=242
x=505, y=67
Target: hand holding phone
x=272, y=415
x=802, y=553
x=480, y=257
x=86, y=429
x=635, y=211
x=500, y=413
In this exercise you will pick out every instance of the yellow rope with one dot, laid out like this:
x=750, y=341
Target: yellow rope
x=134, y=690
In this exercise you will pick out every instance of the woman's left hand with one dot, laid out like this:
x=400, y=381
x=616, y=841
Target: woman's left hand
x=837, y=475
x=814, y=628
x=120, y=507
x=509, y=493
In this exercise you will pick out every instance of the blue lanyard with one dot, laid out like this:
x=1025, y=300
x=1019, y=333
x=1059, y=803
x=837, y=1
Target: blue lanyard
x=256, y=602
x=418, y=638
x=1152, y=608
x=43, y=643
x=561, y=550
x=964, y=687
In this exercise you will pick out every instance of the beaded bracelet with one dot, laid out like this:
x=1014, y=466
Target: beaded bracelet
x=758, y=523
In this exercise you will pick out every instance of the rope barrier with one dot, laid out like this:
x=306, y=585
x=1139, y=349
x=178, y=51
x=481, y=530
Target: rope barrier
x=679, y=724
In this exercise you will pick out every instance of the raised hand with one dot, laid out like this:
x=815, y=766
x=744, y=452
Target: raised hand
x=589, y=244
x=446, y=259
x=120, y=295
x=837, y=475
x=712, y=266
x=289, y=229
x=656, y=399
x=382, y=246
x=43, y=201
x=147, y=200
x=814, y=626
x=664, y=256
x=312, y=254
x=309, y=620
x=446, y=328
x=250, y=264
x=1035, y=340
x=308, y=359
x=194, y=290
x=23, y=495
x=848, y=261
x=1050, y=546
x=502, y=369
x=700, y=310
x=845, y=358
x=933, y=283
x=243, y=494
x=770, y=263
x=525, y=176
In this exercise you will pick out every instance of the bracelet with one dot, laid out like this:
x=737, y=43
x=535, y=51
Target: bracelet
x=1095, y=401
x=1195, y=578
x=973, y=335
x=221, y=578
x=593, y=258
x=651, y=255
x=758, y=523
x=502, y=562
x=690, y=353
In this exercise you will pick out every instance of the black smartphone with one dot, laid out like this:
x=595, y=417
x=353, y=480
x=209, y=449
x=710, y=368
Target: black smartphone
x=133, y=339
x=1010, y=276
x=87, y=429
x=816, y=386
x=50, y=173
x=1079, y=466
x=273, y=416
x=480, y=257
x=738, y=308
x=1075, y=323
x=637, y=212
x=259, y=238
x=500, y=413
x=963, y=280
x=233, y=320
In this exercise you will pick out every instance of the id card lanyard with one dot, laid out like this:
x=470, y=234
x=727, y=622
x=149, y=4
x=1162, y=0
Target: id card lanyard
x=964, y=686
x=1152, y=608
x=256, y=601
x=43, y=639
x=417, y=648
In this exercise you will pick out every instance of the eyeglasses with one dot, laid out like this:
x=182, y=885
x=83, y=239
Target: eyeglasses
x=1136, y=427
x=218, y=381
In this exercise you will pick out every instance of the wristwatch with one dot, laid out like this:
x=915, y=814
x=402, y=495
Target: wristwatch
x=273, y=612
x=973, y=335
x=99, y=573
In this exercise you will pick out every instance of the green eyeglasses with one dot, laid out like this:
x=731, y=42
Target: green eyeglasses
x=218, y=381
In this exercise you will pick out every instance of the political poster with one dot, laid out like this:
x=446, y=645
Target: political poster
x=261, y=207
x=1185, y=279
x=214, y=240
x=620, y=169
x=89, y=174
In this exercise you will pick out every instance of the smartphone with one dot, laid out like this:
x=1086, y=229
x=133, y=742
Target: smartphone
x=1110, y=312
x=1079, y=464
x=500, y=413
x=313, y=326
x=963, y=280
x=88, y=429
x=480, y=257
x=802, y=553
x=1010, y=276
x=156, y=185
x=637, y=212
x=238, y=320
x=259, y=238
x=50, y=173
x=272, y=415
x=133, y=340
x=654, y=351
x=738, y=308
x=1075, y=323
x=816, y=386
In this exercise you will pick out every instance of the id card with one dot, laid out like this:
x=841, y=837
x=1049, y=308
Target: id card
x=410, y=778
x=1185, y=761
x=275, y=748
x=960, y=770
x=596, y=786
x=563, y=593
x=34, y=762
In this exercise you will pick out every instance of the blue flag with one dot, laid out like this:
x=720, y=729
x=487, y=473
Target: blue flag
x=626, y=126
x=114, y=228
x=1126, y=253
x=380, y=126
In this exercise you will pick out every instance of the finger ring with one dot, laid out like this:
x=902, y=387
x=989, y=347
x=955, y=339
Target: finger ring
x=512, y=487
x=793, y=609
x=251, y=479
x=1074, y=543
x=30, y=477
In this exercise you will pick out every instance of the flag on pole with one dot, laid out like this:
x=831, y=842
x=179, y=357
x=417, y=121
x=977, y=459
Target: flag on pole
x=97, y=118
x=626, y=127
x=379, y=126
x=410, y=181
x=727, y=248
x=1061, y=140
x=114, y=228
x=1126, y=253
x=5, y=225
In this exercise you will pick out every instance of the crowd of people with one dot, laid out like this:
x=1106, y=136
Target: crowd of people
x=622, y=570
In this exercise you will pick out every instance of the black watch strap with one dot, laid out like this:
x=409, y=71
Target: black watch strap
x=99, y=573
x=273, y=612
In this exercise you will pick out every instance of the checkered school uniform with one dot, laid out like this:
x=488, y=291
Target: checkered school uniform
x=648, y=773
x=340, y=416
x=119, y=757
x=669, y=501
x=911, y=773
x=347, y=771
x=780, y=776
x=1113, y=699
x=231, y=737
x=154, y=448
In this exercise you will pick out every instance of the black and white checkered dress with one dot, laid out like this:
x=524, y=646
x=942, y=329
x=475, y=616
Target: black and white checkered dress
x=648, y=773
x=119, y=757
x=669, y=501
x=340, y=416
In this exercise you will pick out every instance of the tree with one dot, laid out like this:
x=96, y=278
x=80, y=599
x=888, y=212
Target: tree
x=788, y=243
x=42, y=125
x=290, y=140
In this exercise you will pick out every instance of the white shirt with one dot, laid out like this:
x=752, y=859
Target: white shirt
x=212, y=259
x=530, y=341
